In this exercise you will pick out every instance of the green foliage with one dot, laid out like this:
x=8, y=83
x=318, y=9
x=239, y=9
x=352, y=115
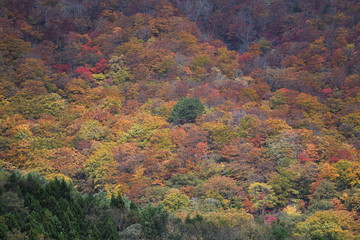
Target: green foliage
x=153, y=222
x=99, y=76
x=278, y=99
x=13, y=48
x=33, y=107
x=284, y=227
x=144, y=131
x=220, y=133
x=175, y=201
x=280, y=232
x=47, y=143
x=208, y=204
x=186, y=110
x=282, y=151
x=104, y=124
x=99, y=167
x=118, y=71
x=265, y=45
x=91, y=130
x=285, y=187
x=322, y=196
x=178, y=180
x=36, y=209
x=326, y=225
x=200, y=66
x=263, y=196
x=348, y=174
x=293, y=183
x=350, y=124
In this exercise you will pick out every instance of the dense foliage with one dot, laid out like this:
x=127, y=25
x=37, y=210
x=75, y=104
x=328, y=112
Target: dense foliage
x=222, y=112
x=186, y=110
x=34, y=208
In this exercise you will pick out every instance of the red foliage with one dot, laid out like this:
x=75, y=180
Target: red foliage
x=85, y=73
x=327, y=92
x=257, y=141
x=248, y=205
x=334, y=159
x=301, y=58
x=343, y=154
x=303, y=158
x=62, y=68
x=243, y=58
x=100, y=66
x=284, y=90
x=269, y=219
x=88, y=48
x=83, y=70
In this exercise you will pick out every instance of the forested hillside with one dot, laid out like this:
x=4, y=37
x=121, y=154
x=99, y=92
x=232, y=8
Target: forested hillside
x=232, y=119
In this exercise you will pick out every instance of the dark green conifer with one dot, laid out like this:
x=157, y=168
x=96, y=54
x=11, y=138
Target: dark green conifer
x=186, y=110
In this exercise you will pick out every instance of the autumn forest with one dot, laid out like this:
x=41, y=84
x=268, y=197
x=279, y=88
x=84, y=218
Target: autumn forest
x=184, y=120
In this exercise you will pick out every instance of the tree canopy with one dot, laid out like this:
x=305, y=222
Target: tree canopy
x=186, y=110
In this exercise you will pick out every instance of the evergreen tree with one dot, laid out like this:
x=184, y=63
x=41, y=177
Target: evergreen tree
x=186, y=110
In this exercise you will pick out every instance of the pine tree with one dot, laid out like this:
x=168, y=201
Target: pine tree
x=186, y=110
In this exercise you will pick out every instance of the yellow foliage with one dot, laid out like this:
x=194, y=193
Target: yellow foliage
x=322, y=224
x=318, y=46
x=230, y=217
x=328, y=171
x=291, y=211
x=54, y=176
x=219, y=132
x=309, y=103
x=151, y=122
x=276, y=126
x=115, y=189
x=138, y=173
x=250, y=105
x=22, y=131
